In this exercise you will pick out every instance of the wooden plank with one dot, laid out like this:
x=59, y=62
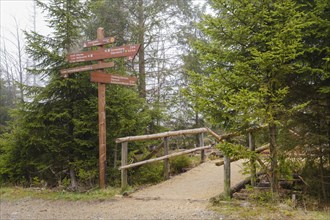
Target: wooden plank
x=106, y=53
x=124, y=153
x=102, y=77
x=166, y=161
x=164, y=157
x=99, y=42
x=161, y=135
x=65, y=72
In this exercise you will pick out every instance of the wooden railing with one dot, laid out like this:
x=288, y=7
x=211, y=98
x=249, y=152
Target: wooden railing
x=165, y=136
x=200, y=132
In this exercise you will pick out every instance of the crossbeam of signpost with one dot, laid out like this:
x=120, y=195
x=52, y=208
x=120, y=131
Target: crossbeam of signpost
x=66, y=72
x=114, y=52
x=102, y=77
x=99, y=42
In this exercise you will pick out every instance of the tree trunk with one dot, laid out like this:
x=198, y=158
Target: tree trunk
x=273, y=158
x=324, y=193
x=142, y=70
x=74, y=184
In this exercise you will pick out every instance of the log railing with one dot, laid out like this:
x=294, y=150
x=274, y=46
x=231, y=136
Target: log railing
x=198, y=131
x=165, y=136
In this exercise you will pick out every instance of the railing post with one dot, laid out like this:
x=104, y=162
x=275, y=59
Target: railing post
x=227, y=176
x=253, y=160
x=124, y=151
x=201, y=144
x=166, y=161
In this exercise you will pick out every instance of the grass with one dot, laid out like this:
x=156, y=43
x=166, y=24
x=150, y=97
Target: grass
x=238, y=209
x=16, y=193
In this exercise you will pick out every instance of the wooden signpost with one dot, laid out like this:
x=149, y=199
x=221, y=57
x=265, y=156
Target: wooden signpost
x=99, y=42
x=123, y=51
x=102, y=78
x=66, y=72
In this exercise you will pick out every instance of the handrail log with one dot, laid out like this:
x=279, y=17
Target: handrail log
x=164, y=157
x=185, y=132
x=161, y=135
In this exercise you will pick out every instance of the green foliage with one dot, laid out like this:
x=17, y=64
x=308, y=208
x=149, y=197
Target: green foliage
x=6, y=103
x=179, y=164
x=260, y=196
x=235, y=150
x=247, y=60
x=147, y=174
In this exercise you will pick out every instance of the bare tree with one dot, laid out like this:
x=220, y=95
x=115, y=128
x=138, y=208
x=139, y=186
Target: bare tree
x=14, y=61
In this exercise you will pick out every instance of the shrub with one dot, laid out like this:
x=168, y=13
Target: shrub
x=148, y=173
x=180, y=164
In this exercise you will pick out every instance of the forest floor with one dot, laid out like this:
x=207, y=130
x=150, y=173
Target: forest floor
x=185, y=196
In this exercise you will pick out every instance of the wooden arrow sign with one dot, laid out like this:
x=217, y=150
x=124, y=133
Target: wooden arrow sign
x=108, y=40
x=115, y=52
x=102, y=77
x=65, y=72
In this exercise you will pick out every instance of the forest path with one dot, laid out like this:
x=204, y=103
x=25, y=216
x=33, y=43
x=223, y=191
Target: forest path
x=199, y=183
x=182, y=197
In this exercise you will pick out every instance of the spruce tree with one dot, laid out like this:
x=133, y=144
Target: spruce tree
x=48, y=123
x=54, y=136
x=250, y=52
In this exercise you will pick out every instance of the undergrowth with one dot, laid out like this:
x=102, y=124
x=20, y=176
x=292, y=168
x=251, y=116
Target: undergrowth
x=262, y=205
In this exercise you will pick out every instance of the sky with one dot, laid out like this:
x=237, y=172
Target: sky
x=22, y=11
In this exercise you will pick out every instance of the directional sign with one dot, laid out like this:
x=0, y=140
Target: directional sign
x=115, y=52
x=65, y=72
x=108, y=40
x=102, y=77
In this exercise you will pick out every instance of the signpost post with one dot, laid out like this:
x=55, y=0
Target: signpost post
x=102, y=122
x=102, y=78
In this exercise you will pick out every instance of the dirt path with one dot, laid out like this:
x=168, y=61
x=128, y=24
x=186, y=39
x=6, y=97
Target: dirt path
x=182, y=197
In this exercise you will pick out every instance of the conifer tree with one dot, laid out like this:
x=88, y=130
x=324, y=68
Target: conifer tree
x=48, y=124
x=55, y=133
x=248, y=57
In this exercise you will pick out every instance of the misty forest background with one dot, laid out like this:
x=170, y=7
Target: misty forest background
x=227, y=65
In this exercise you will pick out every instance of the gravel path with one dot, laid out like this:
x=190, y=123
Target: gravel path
x=182, y=197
